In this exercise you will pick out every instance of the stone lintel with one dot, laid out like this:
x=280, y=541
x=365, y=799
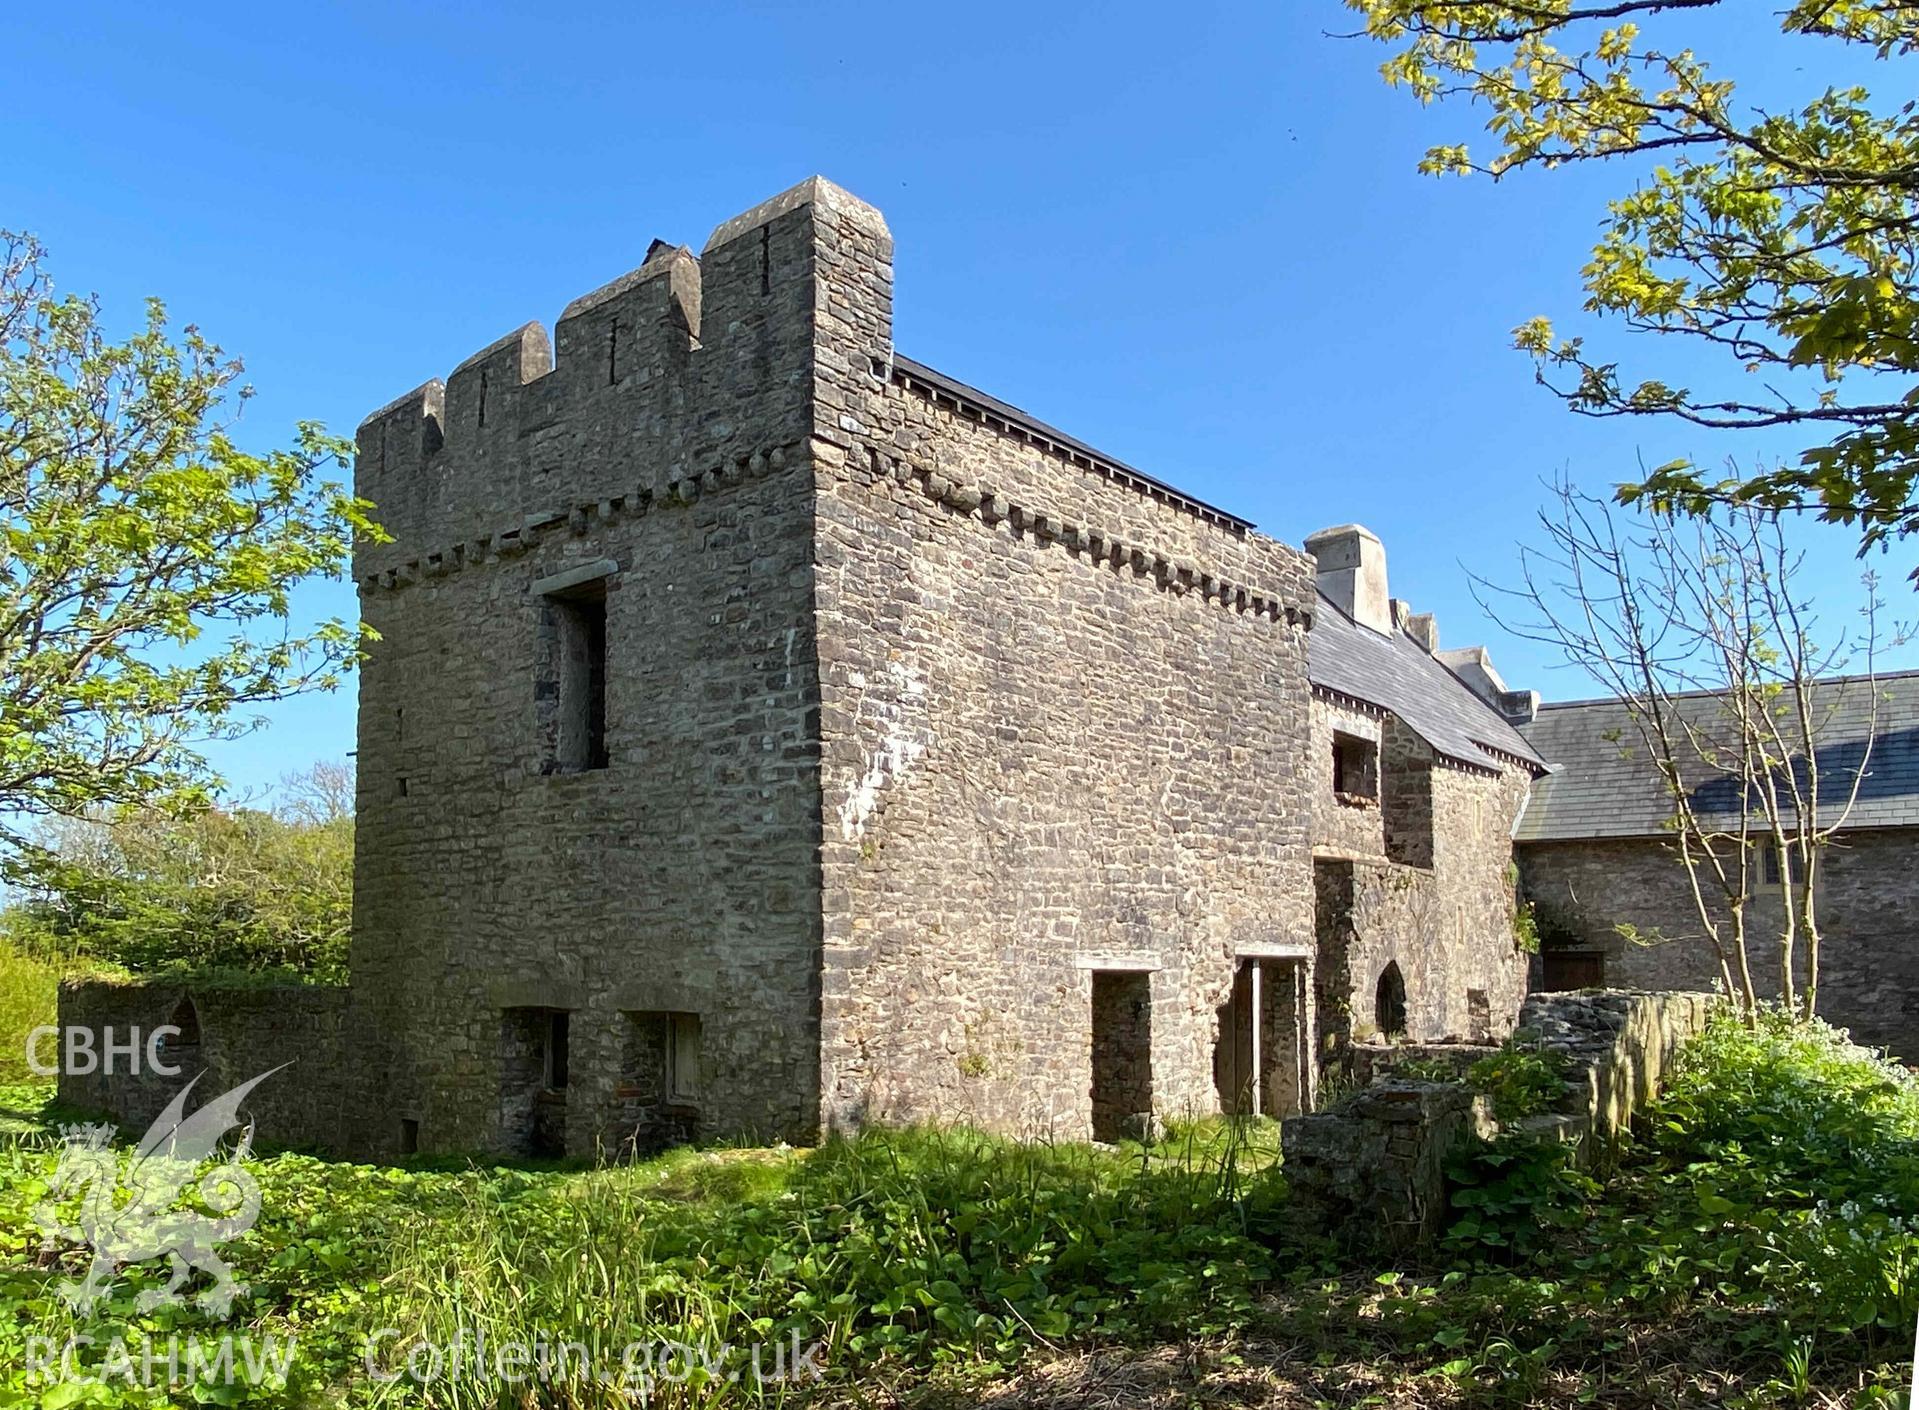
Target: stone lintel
x=575, y=576
x=1274, y=950
x=1119, y=962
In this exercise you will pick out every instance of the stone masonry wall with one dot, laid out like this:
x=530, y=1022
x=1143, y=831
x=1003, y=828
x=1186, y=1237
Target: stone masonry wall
x=914, y=722
x=243, y=1033
x=1060, y=728
x=1868, y=891
x=671, y=444
x=1447, y=926
x=1344, y=827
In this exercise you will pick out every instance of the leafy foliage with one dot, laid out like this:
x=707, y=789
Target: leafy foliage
x=1525, y=928
x=1759, y=1246
x=146, y=561
x=1776, y=1189
x=241, y=889
x=28, y=988
x=896, y=1250
x=1781, y=241
x=1521, y=1080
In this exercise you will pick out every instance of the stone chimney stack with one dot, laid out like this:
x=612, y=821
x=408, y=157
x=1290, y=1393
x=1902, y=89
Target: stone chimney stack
x=1474, y=666
x=1352, y=573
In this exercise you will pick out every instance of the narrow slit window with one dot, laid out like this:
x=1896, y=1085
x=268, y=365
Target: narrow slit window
x=556, y=1036
x=576, y=684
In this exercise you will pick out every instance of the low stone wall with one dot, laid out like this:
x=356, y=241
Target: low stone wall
x=1374, y=1165
x=242, y=1033
x=1621, y=1044
x=1376, y=1062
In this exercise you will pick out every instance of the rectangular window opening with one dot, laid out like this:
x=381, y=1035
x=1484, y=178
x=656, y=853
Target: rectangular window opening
x=1355, y=770
x=660, y=1081
x=682, y=1085
x=533, y=1080
x=1769, y=861
x=556, y=1035
x=409, y=1135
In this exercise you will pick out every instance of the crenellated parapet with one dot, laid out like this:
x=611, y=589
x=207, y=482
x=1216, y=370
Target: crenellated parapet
x=676, y=369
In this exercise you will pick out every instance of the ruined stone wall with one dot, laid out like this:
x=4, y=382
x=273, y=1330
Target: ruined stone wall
x=668, y=451
x=1869, y=979
x=1061, y=726
x=1447, y=926
x=1373, y=1167
x=243, y=1033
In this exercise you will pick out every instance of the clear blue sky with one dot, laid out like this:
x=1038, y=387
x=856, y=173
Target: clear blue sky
x=1195, y=237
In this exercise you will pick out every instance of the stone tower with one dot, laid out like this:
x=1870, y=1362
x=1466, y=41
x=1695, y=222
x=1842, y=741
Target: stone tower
x=763, y=738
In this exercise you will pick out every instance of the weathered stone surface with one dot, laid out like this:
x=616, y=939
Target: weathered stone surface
x=1423, y=882
x=1867, y=890
x=1374, y=1166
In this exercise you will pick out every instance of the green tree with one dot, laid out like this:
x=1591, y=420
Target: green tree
x=146, y=561
x=1783, y=243
x=256, y=888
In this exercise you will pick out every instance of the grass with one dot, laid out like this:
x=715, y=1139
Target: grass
x=28, y=988
x=1758, y=1247
x=894, y=1255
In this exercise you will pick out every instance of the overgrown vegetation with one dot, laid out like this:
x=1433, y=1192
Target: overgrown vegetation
x=895, y=1252
x=248, y=889
x=1521, y=1079
x=1759, y=1247
x=28, y=988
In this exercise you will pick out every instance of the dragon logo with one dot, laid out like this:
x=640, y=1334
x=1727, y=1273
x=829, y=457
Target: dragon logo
x=132, y=1209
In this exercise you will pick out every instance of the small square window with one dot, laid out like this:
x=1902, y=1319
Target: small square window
x=1769, y=862
x=1355, y=770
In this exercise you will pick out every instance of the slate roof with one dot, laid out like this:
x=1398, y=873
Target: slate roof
x=1603, y=783
x=1396, y=673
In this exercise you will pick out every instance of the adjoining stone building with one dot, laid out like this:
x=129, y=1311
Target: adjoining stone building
x=768, y=734
x=1418, y=782
x=1595, y=854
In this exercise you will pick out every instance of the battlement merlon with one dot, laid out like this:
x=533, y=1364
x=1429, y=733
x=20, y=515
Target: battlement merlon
x=643, y=321
x=800, y=285
x=394, y=444
x=483, y=393
x=406, y=428
x=816, y=191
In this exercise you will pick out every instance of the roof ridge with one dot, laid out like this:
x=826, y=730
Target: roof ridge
x=1905, y=673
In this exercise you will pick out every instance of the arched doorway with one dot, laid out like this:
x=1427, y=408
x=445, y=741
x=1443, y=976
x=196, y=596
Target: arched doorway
x=1389, y=1001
